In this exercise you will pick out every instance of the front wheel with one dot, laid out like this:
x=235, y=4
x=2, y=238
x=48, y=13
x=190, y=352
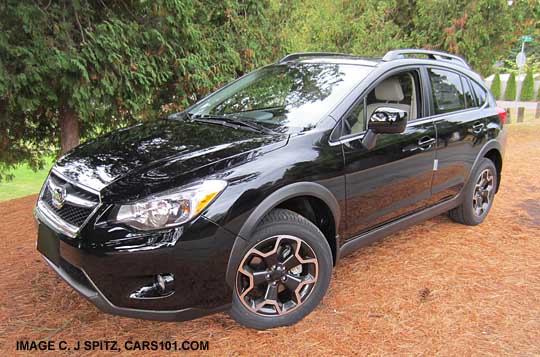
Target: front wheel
x=284, y=273
x=479, y=195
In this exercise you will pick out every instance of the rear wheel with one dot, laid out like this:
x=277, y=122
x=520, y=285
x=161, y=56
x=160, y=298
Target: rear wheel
x=479, y=195
x=284, y=273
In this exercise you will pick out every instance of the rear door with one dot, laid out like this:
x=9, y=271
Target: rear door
x=394, y=178
x=461, y=130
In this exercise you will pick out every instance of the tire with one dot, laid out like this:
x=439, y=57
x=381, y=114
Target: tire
x=281, y=231
x=467, y=213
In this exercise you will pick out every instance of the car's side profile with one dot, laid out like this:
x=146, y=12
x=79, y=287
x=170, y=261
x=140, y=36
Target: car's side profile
x=247, y=199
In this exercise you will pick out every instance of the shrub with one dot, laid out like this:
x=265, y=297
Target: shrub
x=496, y=86
x=527, y=90
x=510, y=92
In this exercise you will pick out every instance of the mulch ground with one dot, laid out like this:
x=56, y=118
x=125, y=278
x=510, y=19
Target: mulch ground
x=436, y=288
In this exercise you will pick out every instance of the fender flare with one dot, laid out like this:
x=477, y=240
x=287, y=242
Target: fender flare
x=283, y=194
x=491, y=144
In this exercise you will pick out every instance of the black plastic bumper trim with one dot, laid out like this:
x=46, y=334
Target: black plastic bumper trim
x=98, y=299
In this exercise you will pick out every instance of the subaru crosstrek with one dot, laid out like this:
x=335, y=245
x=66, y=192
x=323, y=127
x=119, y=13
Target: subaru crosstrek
x=247, y=199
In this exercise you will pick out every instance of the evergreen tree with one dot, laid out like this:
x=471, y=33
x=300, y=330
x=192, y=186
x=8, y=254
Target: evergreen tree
x=527, y=89
x=510, y=92
x=496, y=86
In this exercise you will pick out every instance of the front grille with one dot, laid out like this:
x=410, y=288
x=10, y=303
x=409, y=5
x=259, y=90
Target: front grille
x=73, y=214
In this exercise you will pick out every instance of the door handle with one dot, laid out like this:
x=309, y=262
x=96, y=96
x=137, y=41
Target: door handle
x=426, y=143
x=477, y=128
x=423, y=144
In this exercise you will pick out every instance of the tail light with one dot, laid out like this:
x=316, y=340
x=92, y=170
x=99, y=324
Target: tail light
x=502, y=114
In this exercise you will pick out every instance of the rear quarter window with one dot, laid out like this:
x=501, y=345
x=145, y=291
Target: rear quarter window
x=480, y=93
x=470, y=101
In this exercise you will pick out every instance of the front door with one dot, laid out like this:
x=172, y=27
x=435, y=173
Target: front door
x=392, y=179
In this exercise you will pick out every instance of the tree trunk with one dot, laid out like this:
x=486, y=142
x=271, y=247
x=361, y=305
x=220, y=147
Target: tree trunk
x=69, y=129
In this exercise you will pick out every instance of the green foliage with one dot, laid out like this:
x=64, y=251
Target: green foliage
x=527, y=89
x=479, y=31
x=510, y=92
x=316, y=26
x=496, y=86
x=526, y=21
x=363, y=27
x=375, y=27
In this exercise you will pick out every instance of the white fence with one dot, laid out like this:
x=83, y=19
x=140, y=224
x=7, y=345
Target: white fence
x=526, y=105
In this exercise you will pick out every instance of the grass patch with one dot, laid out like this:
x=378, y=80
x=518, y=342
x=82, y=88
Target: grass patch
x=25, y=182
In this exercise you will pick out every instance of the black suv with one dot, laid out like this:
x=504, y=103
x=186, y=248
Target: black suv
x=247, y=199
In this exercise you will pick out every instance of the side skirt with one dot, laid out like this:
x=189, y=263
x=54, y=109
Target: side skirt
x=398, y=225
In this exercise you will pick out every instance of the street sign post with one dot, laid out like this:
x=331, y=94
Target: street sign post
x=521, y=59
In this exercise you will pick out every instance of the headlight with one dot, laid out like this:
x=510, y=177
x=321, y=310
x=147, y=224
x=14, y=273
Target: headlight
x=170, y=208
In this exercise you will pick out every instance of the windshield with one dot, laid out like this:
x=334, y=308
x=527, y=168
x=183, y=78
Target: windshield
x=289, y=95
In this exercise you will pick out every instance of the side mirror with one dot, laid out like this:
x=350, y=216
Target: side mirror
x=386, y=120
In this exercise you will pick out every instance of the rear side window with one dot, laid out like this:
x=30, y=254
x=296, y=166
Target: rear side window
x=481, y=94
x=447, y=91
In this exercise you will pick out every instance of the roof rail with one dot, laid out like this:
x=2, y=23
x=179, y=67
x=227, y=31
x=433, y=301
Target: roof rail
x=436, y=55
x=294, y=56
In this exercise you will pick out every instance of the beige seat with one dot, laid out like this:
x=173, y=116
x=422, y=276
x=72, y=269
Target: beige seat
x=387, y=93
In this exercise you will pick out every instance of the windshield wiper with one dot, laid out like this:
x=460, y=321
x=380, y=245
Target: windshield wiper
x=260, y=109
x=180, y=116
x=235, y=121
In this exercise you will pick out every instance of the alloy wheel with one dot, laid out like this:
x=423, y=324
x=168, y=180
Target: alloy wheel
x=277, y=275
x=483, y=192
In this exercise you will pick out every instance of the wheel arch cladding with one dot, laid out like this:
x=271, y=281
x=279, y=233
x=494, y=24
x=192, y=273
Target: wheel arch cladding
x=494, y=149
x=495, y=156
x=317, y=212
x=309, y=199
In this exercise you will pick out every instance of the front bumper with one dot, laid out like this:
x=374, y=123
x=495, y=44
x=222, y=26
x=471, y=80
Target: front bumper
x=108, y=277
x=101, y=302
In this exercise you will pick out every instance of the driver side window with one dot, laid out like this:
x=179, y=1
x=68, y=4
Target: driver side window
x=400, y=91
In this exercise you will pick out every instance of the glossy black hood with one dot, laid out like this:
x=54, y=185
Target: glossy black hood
x=147, y=157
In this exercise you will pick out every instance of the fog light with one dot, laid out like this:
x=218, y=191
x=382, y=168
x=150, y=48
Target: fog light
x=163, y=286
x=165, y=283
